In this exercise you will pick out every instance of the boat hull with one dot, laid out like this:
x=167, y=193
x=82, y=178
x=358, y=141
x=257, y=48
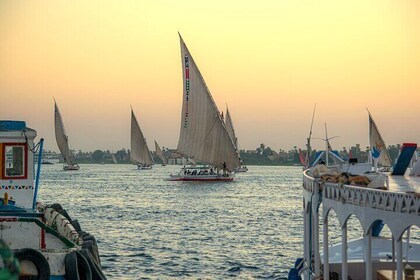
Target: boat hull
x=201, y=178
x=241, y=169
x=142, y=167
x=71, y=167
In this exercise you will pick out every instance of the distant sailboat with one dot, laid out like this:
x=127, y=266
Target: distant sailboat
x=159, y=152
x=114, y=158
x=231, y=131
x=378, y=149
x=203, y=136
x=63, y=141
x=139, y=153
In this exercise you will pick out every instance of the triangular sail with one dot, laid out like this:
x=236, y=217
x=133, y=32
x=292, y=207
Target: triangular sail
x=230, y=129
x=61, y=137
x=160, y=154
x=377, y=144
x=114, y=158
x=139, y=151
x=203, y=135
x=302, y=157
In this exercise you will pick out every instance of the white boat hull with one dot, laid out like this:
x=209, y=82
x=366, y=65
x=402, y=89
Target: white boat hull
x=71, y=167
x=202, y=178
x=241, y=169
x=144, y=167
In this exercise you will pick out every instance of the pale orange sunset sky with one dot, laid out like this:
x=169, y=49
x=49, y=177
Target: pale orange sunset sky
x=270, y=61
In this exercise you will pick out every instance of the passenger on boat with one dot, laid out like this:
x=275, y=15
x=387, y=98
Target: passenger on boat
x=224, y=168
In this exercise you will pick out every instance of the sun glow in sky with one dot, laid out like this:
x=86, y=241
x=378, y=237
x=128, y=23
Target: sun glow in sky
x=270, y=61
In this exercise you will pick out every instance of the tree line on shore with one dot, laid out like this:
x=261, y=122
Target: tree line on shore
x=262, y=155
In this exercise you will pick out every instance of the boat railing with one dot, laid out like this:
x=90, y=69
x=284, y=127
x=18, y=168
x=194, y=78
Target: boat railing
x=378, y=199
x=384, y=200
x=309, y=182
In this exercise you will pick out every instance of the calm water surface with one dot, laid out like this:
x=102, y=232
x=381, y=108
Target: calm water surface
x=150, y=228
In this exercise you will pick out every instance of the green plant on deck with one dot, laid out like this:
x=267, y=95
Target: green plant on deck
x=11, y=268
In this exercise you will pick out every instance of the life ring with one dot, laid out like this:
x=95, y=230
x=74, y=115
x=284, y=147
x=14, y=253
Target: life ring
x=77, y=267
x=37, y=259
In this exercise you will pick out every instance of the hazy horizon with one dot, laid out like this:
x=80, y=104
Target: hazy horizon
x=270, y=62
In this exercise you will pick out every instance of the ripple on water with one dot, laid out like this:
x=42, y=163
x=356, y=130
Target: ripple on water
x=148, y=228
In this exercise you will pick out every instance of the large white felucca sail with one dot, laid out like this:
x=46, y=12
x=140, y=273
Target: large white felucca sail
x=377, y=145
x=63, y=141
x=140, y=153
x=160, y=154
x=203, y=135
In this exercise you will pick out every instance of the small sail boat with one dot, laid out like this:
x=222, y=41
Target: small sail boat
x=114, y=158
x=160, y=154
x=231, y=131
x=140, y=153
x=63, y=141
x=378, y=149
x=203, y=136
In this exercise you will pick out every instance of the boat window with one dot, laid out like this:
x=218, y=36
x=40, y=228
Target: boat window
x=14, y=161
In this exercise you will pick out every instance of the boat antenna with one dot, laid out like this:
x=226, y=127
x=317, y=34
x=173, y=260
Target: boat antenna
x=308, y=144
x=327, y=143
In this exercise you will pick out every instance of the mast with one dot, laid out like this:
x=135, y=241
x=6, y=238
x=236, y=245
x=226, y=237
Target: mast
x=308, y=140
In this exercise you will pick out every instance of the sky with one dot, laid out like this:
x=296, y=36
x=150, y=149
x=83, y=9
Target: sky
x=269, y=60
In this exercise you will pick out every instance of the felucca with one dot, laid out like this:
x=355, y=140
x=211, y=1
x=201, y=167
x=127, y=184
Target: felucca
x=140, y=153
x=160, y=154
x=63, y=141
x=203, y=134
x=231, y=130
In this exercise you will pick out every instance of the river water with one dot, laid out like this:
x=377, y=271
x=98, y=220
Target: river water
x=147, y=227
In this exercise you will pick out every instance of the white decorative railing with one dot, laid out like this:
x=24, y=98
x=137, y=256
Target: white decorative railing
x=377, y=199
x=309, y=182
x=373, y=198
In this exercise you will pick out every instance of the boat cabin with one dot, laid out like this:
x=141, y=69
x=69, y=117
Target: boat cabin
x=16, y=168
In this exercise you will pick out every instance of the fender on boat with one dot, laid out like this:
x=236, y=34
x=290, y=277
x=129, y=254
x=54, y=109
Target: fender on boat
x=62, y=225
x=37, y=259
x=96, y=269
x=77, y=267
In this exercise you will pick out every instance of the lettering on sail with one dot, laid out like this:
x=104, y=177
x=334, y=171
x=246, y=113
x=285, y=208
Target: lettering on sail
x=187, y=89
